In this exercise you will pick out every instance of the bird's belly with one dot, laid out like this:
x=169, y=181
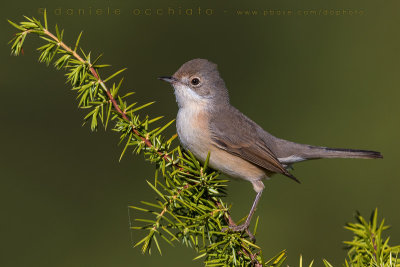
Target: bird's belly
x=235, y=166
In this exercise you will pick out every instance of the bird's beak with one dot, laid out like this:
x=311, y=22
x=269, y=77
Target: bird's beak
x=168, y=79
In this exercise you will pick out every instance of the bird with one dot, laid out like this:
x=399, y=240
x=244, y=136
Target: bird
x=207, y=123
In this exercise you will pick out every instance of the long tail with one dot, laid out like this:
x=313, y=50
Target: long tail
x=326, y=152
x=290, y=152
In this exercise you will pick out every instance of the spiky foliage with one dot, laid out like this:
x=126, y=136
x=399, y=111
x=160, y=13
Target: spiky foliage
x=369, y=247
x=188, y=207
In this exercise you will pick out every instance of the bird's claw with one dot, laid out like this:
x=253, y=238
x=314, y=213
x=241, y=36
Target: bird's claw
x=240, y=228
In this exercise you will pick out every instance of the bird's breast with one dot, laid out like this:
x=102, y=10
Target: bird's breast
x=192, y=125
x=193, y=130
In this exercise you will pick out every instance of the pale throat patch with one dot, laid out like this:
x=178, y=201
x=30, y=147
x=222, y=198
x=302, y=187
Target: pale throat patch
x=185, y=96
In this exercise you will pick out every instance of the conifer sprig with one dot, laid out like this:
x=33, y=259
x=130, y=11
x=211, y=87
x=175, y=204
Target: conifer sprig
x=369, y=247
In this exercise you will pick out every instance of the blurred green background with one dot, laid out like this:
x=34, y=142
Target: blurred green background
x=328, y=80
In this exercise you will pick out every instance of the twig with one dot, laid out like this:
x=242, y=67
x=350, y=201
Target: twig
x=109, y=95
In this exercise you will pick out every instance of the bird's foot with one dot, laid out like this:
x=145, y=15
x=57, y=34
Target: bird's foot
x=241, y=228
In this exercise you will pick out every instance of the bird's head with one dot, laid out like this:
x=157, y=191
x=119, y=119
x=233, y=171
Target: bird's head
x=198, y=82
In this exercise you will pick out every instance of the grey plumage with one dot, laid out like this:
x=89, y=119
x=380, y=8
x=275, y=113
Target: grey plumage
x=237, y=134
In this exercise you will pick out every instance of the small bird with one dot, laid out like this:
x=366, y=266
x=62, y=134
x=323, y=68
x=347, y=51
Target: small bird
x=239, y=147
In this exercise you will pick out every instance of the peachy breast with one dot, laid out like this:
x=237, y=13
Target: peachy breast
x=194, y=134
x=192, y=127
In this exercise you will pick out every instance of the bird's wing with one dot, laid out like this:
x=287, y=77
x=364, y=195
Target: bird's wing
x=238, y=135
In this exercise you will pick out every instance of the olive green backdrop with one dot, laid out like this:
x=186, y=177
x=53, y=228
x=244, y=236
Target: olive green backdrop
x=314, y=78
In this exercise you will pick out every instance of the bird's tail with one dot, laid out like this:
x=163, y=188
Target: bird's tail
x=291, y=152
x=326, y=152
x=315, y=152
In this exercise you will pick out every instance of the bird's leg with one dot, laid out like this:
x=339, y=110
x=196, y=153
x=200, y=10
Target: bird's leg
x=246, y=224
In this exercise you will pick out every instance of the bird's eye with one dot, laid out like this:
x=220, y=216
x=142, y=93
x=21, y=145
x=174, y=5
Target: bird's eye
x=195, y=81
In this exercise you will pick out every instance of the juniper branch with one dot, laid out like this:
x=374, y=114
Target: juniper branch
x=99, y=81
x=369, y=247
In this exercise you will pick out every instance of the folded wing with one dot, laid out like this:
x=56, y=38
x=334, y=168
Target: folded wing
x=238, y=135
